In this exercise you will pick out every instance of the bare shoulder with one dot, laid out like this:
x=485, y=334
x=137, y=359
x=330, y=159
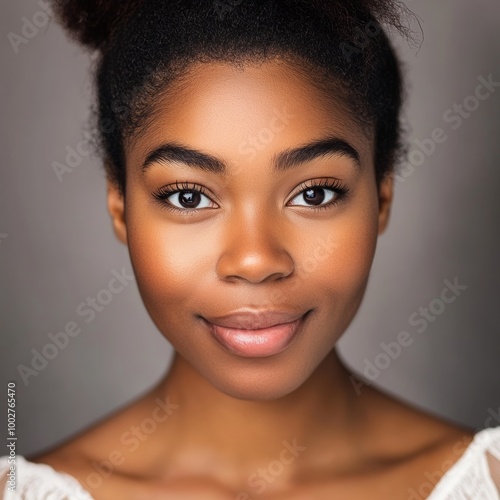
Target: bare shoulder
x=98, y=441
x=417, y=435
x=114, y=457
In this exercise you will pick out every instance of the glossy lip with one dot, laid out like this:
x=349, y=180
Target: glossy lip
x=254, y=319
x=250, y=333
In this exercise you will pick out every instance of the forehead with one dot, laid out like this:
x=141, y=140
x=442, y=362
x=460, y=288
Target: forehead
x=219, y=105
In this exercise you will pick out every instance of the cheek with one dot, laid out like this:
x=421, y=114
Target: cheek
x=353, y=248
x=338, y=281
x=343, y=261
x=170, y=263
x=345, y=276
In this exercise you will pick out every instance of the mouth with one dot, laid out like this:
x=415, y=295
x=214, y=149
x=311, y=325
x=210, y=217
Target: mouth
x=256, y=335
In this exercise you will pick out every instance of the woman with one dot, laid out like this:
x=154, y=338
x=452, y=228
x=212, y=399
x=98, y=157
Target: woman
x=250, y=151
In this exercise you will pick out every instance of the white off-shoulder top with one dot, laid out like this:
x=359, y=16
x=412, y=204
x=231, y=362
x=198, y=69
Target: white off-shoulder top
x=474, y=476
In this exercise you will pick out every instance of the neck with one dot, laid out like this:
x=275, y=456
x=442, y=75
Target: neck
x=314, y=423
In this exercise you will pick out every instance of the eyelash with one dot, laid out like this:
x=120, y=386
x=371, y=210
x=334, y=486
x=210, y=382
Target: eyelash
x=335, y=185
x=164, y=192
x=341, y=191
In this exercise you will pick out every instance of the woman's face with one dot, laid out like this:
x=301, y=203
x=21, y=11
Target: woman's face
x=282, y=230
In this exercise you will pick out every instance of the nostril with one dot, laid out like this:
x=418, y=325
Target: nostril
x=255, y=268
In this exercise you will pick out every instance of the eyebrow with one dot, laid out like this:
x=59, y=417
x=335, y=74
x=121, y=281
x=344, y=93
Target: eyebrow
x=289, y=158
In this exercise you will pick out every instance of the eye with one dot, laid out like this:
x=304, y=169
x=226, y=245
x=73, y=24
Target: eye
x=188, y=198
x=183, y=198
x=318, y=194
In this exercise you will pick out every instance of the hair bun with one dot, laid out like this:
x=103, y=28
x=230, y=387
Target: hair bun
x=93, y=23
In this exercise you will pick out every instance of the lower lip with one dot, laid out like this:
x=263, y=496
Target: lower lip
x=257, y=343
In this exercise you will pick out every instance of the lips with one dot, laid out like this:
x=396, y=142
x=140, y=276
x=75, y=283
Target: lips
x=251, y=333
x=247, y=319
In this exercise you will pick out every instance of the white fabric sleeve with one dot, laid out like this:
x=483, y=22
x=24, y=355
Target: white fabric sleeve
x=40, y=482
x=476, y=474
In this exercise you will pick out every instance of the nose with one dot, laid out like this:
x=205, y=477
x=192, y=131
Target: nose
x=254, y=253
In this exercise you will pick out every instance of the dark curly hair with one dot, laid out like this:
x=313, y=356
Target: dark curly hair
x=145, y=45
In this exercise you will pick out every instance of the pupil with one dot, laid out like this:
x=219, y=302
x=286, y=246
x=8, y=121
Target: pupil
x=190, y=198
x=312, y=195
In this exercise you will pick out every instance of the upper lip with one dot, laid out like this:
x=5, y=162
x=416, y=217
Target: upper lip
x=253, y=319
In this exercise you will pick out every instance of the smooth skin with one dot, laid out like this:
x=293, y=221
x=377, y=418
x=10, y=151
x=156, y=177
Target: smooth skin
x=255, y=241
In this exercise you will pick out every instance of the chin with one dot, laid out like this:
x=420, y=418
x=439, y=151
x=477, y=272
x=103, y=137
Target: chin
x=257, y=389
x=263, y=379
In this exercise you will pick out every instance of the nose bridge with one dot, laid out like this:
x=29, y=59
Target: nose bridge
x=254, y=248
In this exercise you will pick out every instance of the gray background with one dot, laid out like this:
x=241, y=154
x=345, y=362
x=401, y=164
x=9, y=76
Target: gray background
x=59, y=247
